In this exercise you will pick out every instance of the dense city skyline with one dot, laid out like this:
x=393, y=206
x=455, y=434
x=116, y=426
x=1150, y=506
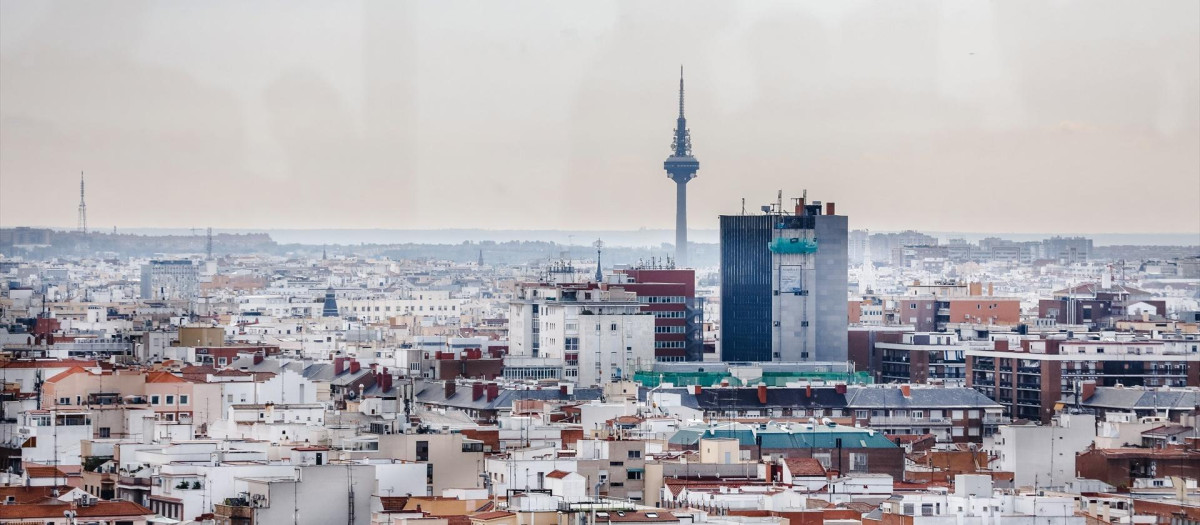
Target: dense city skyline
x=988, y=117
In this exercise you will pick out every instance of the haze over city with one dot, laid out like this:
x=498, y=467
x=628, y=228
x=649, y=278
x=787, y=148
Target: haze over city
x=430, y=262
x=966, y=116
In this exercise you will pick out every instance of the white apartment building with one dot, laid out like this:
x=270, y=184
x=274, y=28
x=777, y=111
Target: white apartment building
x=1044, y=456
x=596, y=335
x=974, y=502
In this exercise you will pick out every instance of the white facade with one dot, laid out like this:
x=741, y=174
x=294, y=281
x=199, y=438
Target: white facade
x=597, y=335
x=1044, y=456
x=974, y=503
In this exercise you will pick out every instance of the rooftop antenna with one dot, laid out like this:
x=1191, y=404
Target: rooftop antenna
x=82, y=207
x=599, y=244
x=743, y=205
x=208, y=243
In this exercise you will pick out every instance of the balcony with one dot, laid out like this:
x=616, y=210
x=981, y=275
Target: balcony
x=907, y=421
x=996, y=420
x=132, y=482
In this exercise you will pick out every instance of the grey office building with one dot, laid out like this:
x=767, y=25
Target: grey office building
x=784, y=285
x=169, y=280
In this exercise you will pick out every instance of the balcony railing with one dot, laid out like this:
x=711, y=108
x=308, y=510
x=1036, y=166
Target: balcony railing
x=908, y=420
x=134, y=482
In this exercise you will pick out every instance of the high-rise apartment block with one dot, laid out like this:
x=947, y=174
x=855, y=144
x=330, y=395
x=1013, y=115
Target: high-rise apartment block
x=669, y=294
x=169, y=280
x=784, y=284
x=592, y=335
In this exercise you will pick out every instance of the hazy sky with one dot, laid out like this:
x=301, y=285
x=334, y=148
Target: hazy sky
x=1079, y=116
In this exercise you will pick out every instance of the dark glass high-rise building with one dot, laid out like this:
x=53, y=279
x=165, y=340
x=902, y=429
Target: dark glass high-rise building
x=784, y=285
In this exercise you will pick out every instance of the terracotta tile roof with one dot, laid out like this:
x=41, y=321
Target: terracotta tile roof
x=229, y=372
x=66, y=373
x=486, y=507
x=102, y=509
x=393, y=503
x=860, y=507
x=26, y=495
x=557, y=474
x=493, y=515
x=805, y=467
x=163, y=377
x=457, y=520
x=43, y=471
x=644, y=517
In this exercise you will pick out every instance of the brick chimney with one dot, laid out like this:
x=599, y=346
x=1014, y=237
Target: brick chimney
x=840, y=388
x=906, y=391
x=829, y=208
x=449, y=389
x=493, y=391
x=476, y=391
x=339, y=365
x=762, y=394
x=1087, y=390
x=354, y=366
x=385, y=381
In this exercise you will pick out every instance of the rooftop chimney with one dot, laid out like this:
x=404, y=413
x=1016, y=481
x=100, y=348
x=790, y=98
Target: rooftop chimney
x=762, y=394
x=339, y=365
x=476, y=391
x=493, y=391
x=449, y=389
x=354, y=366
x=906, y=391
x=1087, y=390
x=829, y=208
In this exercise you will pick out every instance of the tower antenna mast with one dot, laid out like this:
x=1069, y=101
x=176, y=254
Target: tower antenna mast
x=681, y=167
x=82, y=207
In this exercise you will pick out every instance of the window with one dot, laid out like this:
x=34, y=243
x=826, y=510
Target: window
x=170, y=400
x=423, y=451
x=824, y=459
x=957, y=414
x=64, y=400
x=635, y=474
x=154, y=400
x=635, y=454
x=861, y=414
x=104, y=432
x=858, y=462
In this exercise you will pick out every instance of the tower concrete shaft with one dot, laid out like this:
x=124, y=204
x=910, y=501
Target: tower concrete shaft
x=681, y=167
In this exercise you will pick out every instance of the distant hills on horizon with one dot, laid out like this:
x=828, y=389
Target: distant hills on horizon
x=633, y=238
